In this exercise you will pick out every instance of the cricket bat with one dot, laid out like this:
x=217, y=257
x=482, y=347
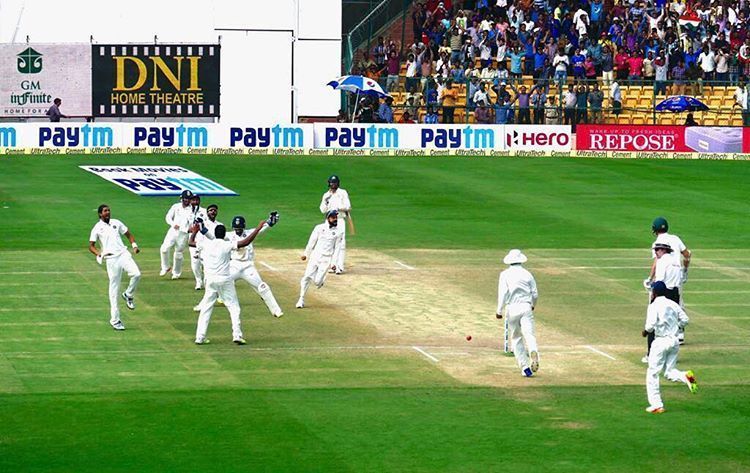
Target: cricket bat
x=350, y=223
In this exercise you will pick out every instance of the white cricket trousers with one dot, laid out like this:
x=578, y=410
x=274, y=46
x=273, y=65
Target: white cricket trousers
x=216, y=288
x=115, y=266
x=178, y=240
x=342, y=251
x=248, y=273
x=521, y=329
x=197, y=265
x=315, y=273
x=662, y=357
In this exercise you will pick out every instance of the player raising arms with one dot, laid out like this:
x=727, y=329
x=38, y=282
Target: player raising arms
x=108, y=231
x=216, y=254
x=242, y=265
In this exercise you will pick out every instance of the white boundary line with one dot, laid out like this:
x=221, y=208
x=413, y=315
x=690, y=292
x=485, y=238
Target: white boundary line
x=426, y=354
x=266, y=265
x=599, y=352
x=406, y=266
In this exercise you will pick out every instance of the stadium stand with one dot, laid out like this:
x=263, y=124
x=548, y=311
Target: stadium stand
x=653, y=49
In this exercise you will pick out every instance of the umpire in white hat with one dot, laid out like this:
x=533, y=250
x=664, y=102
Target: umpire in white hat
x=517, y=294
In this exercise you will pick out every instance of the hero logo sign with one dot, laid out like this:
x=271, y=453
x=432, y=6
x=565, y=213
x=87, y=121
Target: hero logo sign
x=538, y=138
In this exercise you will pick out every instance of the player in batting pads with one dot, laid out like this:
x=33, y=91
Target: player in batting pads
x=664, y=319
x=517, y=293
x=660, y=228
x=179, y=218
x=216, y=254
x=242, y=265
x=108, y=232
x=206, y=231
x=338, y=199
x=321, y=253
x=199, y=215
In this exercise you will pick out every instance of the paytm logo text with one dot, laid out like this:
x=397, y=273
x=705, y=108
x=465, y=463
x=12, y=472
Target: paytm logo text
x=7, y=137
x=85, y=135
x=267, y=137
x=168, y=136
x=358, y=137
x=469, y=137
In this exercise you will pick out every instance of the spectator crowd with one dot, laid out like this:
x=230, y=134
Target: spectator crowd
x=572, y=48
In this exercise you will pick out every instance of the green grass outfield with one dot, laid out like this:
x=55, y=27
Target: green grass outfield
x=338, y=386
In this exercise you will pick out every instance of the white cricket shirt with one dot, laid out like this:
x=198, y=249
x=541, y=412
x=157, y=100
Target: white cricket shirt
x=674, y=242
x=516, y=286
x=216, y=255
x=324, y=241
x=668, y=270
x=109, y=237
x=665, y=317
x=338, y=200
x=179, y=215
x=245, y=254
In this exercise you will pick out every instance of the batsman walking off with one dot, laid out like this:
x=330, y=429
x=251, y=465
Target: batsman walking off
x=108, y=231
x=179, y=218
x=517, y=294
x=338, y=199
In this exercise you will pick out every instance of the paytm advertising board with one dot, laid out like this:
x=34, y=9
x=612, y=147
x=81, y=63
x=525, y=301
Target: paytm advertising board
x=442, y=137
x=33, y=76
x=176, y=138
x=158, y=180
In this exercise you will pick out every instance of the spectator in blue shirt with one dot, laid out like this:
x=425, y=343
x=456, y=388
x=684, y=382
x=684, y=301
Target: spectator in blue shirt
x=385, y=112
x=431, y=117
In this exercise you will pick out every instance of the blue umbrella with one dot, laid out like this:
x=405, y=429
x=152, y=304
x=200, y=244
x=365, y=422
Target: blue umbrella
x=359, y=84
x=680, y=103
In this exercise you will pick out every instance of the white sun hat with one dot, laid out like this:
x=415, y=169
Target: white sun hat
x=514, y=256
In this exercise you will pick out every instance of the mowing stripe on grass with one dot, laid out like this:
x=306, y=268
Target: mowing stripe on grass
x=426, y=354
x=406, y=266
x=599, y=352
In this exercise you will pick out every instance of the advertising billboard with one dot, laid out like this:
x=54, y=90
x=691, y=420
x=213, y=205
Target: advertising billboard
x=155, y=80
x=32, y=76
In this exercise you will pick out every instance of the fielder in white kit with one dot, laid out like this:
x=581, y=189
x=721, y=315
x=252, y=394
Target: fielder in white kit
x=664, y=318
x=517, y=293
x=198, y=215
x=108, y=232
x=322, y=252
x=337, y=199
x=216, y=254
x=206, y=231
x=179, y=218
x=242, y=265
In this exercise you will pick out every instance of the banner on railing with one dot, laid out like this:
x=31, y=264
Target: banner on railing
x=32, y=76
x=653, y=138
x=155, y=80
x=437, y=139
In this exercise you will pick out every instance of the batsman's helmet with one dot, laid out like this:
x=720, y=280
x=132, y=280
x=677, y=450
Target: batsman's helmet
x=334, y=180
x=660, y=225
x=659, y=288
x=332, y=213
x=238, y=222
x=186, y=194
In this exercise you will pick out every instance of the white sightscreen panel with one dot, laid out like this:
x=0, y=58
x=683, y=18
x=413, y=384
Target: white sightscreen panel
x=317, y=63
x=256, y=77
x=56, y=21
x=254, y=14
x=320, y=19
